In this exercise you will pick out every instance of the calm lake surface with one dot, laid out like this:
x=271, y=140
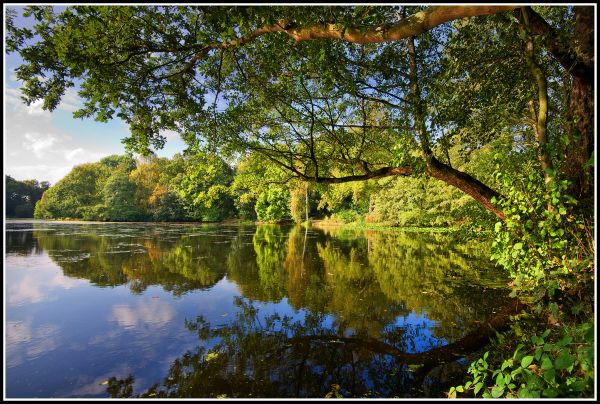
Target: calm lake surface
x=190, y=310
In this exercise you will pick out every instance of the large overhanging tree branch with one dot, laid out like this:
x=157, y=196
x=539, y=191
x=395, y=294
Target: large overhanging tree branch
x=466, y=183
x=413, y=25
x=158, y=76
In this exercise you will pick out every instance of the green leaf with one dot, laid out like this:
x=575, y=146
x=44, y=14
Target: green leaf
x=564, y=360
x=565, y=341
x=524, y=393
x=526, y=361
x=546, y=363
x=549, y=375
x=478, y=387
x=578, y=385
x=550, y=393
x=497, y=391
x=460, y=389
x=500, y=380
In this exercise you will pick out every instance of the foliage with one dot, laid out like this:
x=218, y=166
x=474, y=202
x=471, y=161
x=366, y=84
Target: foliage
x=299, y=205
x=202, y=182
x=549, y=365
x=272, y=205
x=166, y=206
x=344, y=101
x=146, y=177
x=150, y=189
x=78, y=190
x=119, y=198
x=547, y=250
x=21, y=196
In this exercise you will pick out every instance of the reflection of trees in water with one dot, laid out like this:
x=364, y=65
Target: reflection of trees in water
x=356, y=299
x=352, y=287
x=269, y=245
x=275, y=357
x=365, y=282
x=452, y=283
x=20, y=241
x=178, y=263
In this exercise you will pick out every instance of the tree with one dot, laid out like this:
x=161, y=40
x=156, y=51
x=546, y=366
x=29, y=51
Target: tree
x=146, y=177
x=119, y=194
x=202, y=181
x=186, y=59
x=70, y=196
x=166, y=206
x=21, y=196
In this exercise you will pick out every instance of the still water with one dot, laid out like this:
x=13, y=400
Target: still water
x=190, y=310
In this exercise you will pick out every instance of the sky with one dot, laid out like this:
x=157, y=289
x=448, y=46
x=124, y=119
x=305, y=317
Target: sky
x=45, y=146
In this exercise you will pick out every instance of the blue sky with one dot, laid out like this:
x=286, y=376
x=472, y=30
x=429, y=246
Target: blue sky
x=46, y=146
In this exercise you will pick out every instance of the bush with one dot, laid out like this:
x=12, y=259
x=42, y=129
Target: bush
x=547, y=365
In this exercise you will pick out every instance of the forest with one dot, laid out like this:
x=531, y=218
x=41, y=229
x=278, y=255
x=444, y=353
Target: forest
x=21, y=196
x=472, y=117
x=205, y=188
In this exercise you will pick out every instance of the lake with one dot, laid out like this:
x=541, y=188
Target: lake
x=206, y=310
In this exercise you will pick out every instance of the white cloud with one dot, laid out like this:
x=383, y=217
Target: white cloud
x=45, y=340
x=155, y=313
x=46, y=146
x=70, y=155
x=35, y=148
x=70, y=101
x=27, y=290
x=23, y=340
x=35, y=108
x=38, y=143
x=12, y=97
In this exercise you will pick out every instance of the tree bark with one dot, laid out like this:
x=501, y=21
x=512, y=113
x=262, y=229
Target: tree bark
x=540, y=119
x=576, y=55
x=580, y=117
x=467, y=184
x=413, y=25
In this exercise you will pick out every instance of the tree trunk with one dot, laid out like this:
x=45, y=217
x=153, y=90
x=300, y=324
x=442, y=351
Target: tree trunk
x=580, y=116
x=576, y=55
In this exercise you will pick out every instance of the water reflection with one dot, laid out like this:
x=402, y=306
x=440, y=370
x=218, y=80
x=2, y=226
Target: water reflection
x=277, y=357
x=311, y=308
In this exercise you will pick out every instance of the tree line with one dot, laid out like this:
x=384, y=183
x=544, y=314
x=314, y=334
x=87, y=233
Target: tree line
x=22, y=196
x=203, y=187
